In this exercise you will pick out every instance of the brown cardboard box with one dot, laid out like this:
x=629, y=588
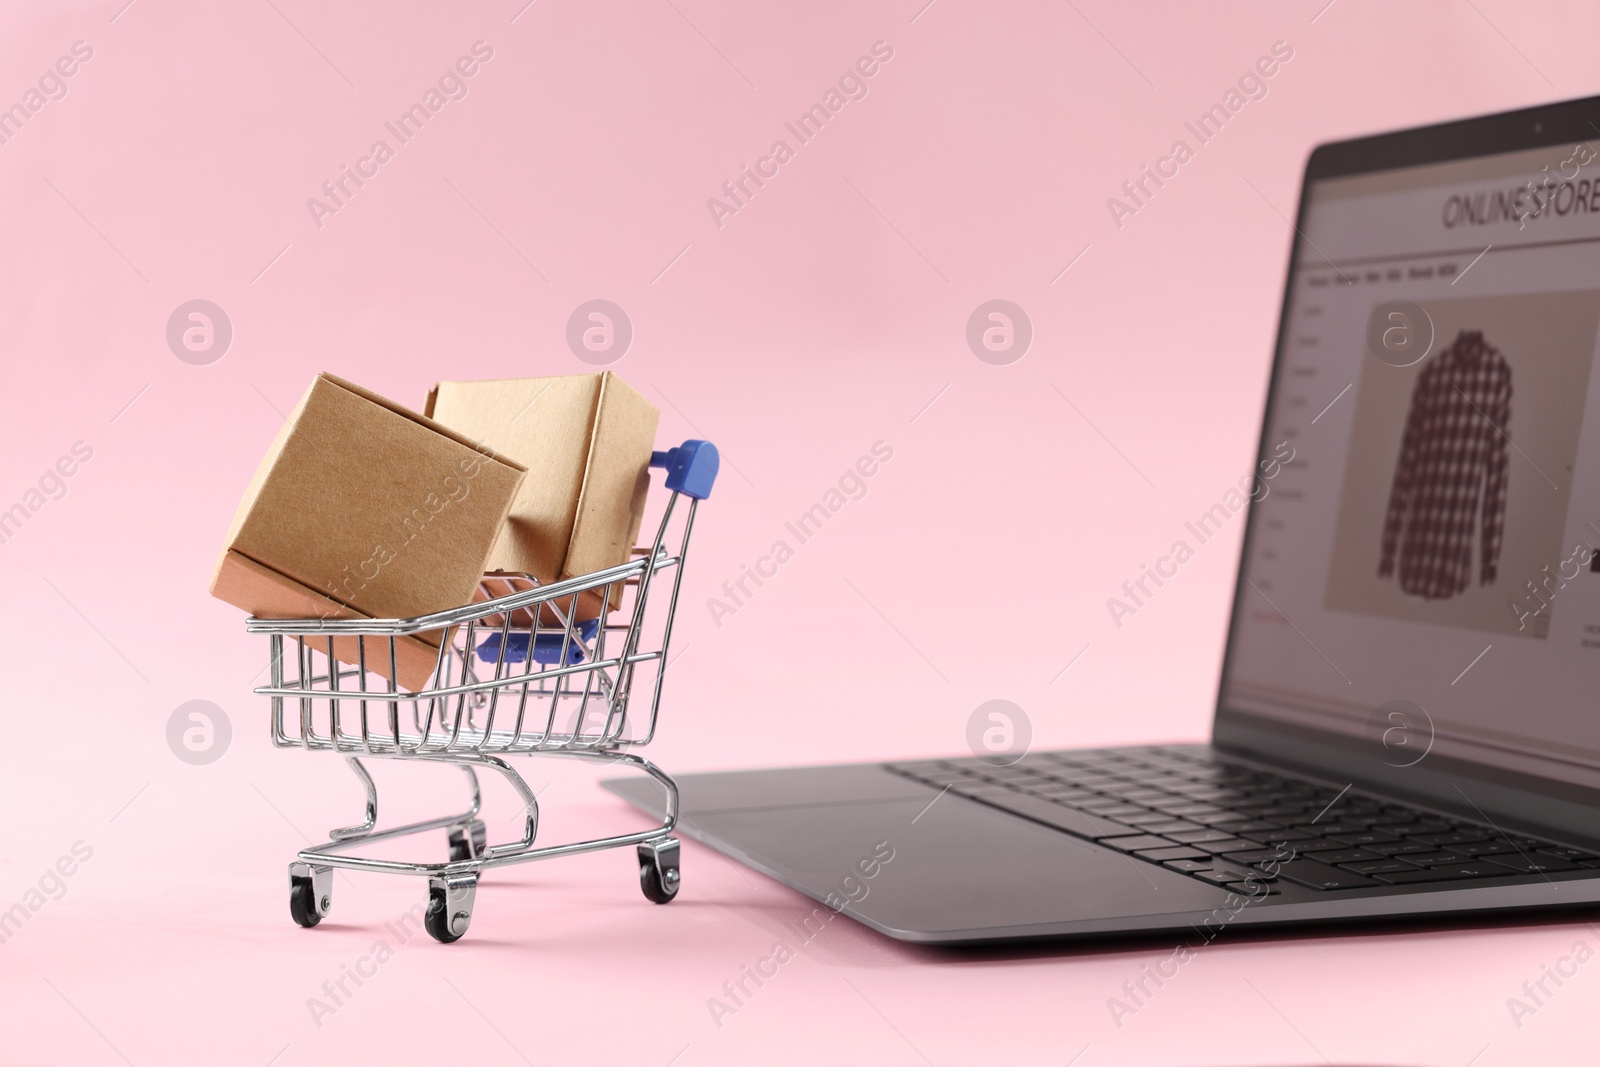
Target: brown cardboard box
x=586, y=441
x=364, y=509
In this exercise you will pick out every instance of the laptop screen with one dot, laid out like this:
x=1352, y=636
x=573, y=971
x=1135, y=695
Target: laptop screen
x=1423, y=563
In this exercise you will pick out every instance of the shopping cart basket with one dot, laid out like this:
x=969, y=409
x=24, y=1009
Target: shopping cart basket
x=516, y=673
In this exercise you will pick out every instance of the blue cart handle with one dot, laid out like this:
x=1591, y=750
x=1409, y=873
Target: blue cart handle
x=691, y=467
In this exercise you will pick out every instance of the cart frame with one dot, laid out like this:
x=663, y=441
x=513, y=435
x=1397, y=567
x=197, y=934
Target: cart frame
x=585, y=673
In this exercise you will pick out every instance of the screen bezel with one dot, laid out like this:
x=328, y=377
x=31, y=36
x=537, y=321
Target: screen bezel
x=1526, y=800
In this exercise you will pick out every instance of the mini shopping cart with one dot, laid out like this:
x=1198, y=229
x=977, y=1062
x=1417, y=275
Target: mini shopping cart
x=516, y=673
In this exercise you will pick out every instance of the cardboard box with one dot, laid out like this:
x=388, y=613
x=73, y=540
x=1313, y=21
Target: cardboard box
x=586, y=441
x=362, y=508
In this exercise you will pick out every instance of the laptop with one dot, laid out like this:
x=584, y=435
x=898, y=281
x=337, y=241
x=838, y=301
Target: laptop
x=1408, y=721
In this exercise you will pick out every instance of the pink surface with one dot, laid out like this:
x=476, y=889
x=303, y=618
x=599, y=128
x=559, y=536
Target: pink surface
x=828, y=313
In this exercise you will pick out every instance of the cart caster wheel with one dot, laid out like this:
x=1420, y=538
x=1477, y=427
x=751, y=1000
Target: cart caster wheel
x=302, y=903
x=462, y=849
x=658, y=869
x=449, y=907
x=310, y=893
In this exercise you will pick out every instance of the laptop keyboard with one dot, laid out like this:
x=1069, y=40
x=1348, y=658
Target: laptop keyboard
x=1243, y=828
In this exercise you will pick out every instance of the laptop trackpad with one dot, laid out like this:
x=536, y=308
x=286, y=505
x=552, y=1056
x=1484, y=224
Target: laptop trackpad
x=957, y=865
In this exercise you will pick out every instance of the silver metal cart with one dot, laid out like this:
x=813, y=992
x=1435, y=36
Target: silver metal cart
x=516, y=673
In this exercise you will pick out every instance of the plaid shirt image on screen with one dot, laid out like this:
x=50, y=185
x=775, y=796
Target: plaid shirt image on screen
x=1455, y=445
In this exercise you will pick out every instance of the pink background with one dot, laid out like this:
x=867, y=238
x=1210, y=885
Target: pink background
x=823, y=317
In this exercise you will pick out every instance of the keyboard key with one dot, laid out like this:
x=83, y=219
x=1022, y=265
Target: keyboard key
x=1363, y=810
x=1371, y=837
x=972, y=788
x=1300, y=844
x=983, y=771
x=1262, y=855
x=1170, y=827
x=1023, y=779
x=1063, y=789
x=1532, y=863
x=1256, y=807
x=1573, y=854
x=1186, y=866
x=1332, y=826
x=1236, y=826
x=1316, y=875
x=1031, y=785
x=1349, y=855
x=1478, y=835
x=1009, y=772
x=1228, y=876
x=1109, y=807
x=1195, y=837
x=1470, y=869
x=1113, y=812
x=1151, y=784
x=1055, y=791
x=1179, y=852
x=1067, y=797
x=1402, y=819
x=1145, y=819
x=1190, y=808
x=1456, y=837
x=1255, y=874
x=1136, y=843
x=1317, y=847
x=1379, y=866
x=1253, y=889
x=1278, y=837
x=1432, y=859
x=1219, y=795
x=1401, y=848
x=1227, y=844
